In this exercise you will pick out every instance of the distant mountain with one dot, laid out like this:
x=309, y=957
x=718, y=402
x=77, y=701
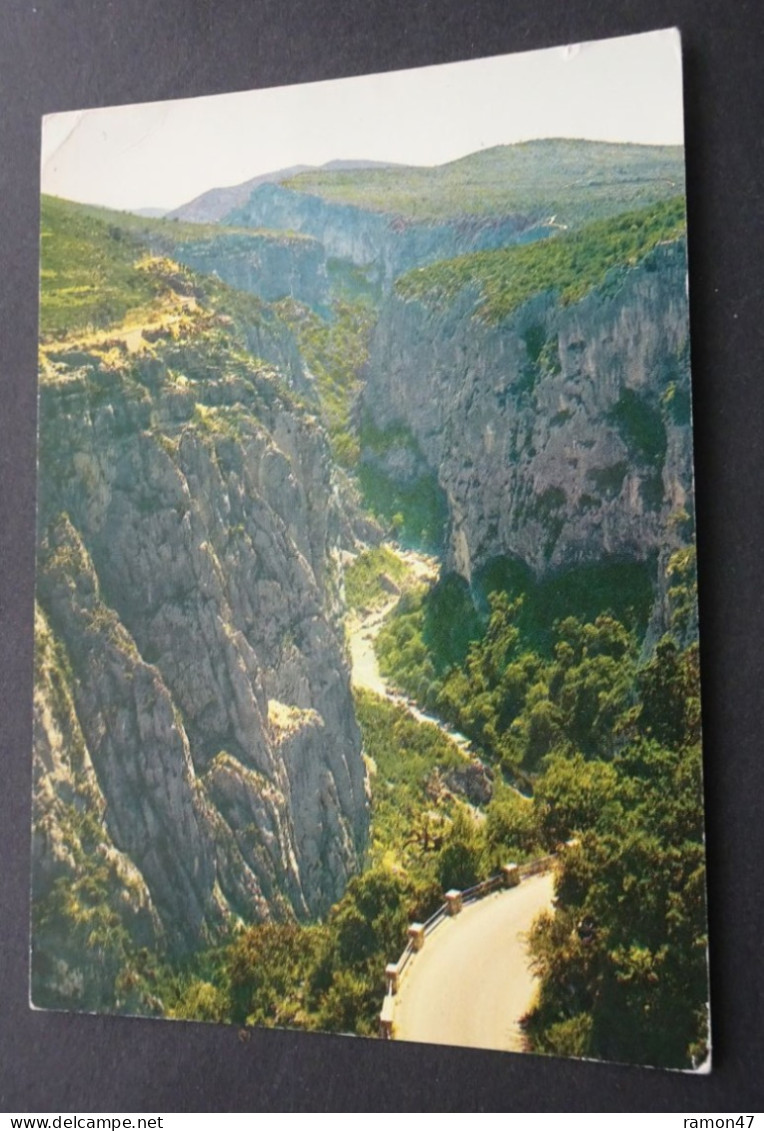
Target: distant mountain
x=568, y=181
x=149, y=213
x=212, y=205
x=391, y=219
x=343, y=166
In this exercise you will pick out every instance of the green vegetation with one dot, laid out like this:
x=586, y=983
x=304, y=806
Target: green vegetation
x=622, y=962
x=419, y=822
x=416, y=511
x=88, y=270
x=611, y=747
x=352, y=283
x=681, y=573
x=89, y=257
x=570, y=265
x=641, y=427
x=409, y=760
x=570, y=181
x=82, y=916
x=521, y=707
x=414, y=508
x=160, y=232
x=622, y=589
x=429, y=632
x=364, y=928
x=451, y=648
x=367, y=579
x=335, y=351
x=425, y=840
x=267, y=972
x=142, y=228
x=615, y=765
x=612, y=750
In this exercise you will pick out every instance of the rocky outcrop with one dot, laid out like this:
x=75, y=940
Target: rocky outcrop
x=272, y=265
x=82, y=884
x=561, y=436
x=188, y=573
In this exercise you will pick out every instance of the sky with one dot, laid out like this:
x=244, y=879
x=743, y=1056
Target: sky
x=164, y=154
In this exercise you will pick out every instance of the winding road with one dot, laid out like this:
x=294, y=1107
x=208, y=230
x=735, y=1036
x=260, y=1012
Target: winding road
x=471, y=983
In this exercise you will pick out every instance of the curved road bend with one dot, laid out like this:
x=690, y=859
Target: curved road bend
x=471, y=983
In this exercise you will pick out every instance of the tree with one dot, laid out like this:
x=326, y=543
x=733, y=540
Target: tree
x=574, y=795
x=622, y=962
x=511, y=828
x=459, y=860
x=267, y=969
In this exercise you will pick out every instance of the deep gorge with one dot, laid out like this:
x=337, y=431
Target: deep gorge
x=236, y=419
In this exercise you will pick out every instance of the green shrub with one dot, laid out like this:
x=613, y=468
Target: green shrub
x=569, y=265
x=367, y=576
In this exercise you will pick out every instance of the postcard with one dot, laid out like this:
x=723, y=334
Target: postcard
x=366, y=683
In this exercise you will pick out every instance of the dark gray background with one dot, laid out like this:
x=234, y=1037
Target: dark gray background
x=66, y=54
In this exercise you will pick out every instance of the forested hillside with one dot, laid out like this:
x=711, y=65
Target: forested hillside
x=570, y=182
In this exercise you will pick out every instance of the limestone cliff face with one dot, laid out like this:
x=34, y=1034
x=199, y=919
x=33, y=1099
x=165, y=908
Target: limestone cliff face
x=197, y=702
x=385, y=244
x=80, y=878
x=272, y=265
x=561, y=436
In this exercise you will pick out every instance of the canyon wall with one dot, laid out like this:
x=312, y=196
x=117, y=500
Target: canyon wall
x=384, y=243
x=193, y=692
x=561, y=436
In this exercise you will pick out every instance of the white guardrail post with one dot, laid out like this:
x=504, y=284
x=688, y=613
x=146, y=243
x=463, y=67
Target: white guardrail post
x=509, y=877
x=510, y=874
x=416, y=936
x=453, y=901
